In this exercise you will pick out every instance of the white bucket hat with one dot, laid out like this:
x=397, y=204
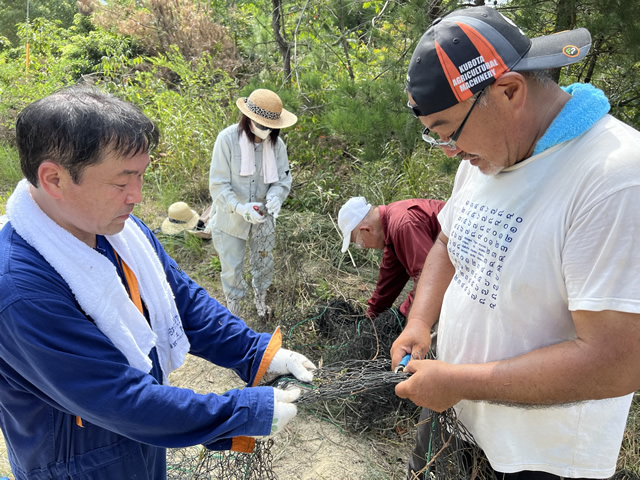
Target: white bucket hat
x=265, y=107
x=180, y=218
x=349, y=216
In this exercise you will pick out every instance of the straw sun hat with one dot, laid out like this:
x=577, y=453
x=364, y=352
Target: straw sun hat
x=265, y=107
x=180, y=218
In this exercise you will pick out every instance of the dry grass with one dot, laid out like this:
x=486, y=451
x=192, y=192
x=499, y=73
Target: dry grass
x=629, y=459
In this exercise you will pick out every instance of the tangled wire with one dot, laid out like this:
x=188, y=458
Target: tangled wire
x=363, y=381
x=356, y=387
x=357, y=394
x=452, y=453
x=198, y=463
x=346, y=333
x=347, y=340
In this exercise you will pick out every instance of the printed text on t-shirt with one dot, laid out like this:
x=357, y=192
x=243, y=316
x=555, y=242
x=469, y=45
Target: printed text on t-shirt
x=478, y=247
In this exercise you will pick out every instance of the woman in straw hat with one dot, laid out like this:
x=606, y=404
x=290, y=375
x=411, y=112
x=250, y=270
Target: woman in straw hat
x=248, y=180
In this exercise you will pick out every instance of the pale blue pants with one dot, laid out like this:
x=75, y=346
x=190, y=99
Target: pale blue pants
x=231, y=252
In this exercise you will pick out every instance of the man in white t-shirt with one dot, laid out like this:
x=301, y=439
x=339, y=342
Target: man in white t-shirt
x=533, y=278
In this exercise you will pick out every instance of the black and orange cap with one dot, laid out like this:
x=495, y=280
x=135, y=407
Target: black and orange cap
x=467, y=50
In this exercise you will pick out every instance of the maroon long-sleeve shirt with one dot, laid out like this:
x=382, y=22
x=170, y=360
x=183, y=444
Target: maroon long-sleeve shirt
x=410, y=228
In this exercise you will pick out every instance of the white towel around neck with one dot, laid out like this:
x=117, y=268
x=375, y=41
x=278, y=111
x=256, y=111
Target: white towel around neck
x=95, y=283
x=248, y=159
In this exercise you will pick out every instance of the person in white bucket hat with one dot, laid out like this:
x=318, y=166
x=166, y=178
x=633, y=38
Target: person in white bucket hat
x=405, y=231
x=249, y=180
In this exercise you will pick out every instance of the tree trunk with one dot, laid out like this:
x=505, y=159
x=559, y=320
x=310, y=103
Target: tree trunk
x=596, y=47
x=345, y=44
x=277, y=23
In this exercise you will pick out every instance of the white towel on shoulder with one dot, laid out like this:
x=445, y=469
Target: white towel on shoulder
x=248, y=159
x=95, y=283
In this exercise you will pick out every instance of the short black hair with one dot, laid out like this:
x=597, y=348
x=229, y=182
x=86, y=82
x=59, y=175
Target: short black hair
x=76, y=126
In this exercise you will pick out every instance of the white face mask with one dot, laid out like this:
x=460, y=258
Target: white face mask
x=258, y=132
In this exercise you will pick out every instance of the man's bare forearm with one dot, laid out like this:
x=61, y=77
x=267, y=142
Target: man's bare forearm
x=434, y=280
x=600, y=363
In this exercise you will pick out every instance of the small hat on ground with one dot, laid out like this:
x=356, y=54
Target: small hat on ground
x=265, y=108
x=466, y=51
x=180, y=218
x=349, y=216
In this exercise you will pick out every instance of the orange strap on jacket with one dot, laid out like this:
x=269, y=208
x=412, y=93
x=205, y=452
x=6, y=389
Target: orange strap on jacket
x=274, y=345
x=243, y=444
x=132, y=282
x=134, y=294
x=248, y=444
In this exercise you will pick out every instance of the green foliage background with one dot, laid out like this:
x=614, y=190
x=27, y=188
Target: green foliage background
x=347, y=65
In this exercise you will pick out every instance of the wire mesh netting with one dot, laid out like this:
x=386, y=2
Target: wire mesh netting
x=340, y=331
x=345, y=340
x=354, y=389
x=448, y=451
x=349, y=388
x=362, y=381
x=358, y=395
x=245, y=285
x=198, y=463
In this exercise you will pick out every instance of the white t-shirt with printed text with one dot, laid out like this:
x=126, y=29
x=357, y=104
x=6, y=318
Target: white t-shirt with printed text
x=550, y=235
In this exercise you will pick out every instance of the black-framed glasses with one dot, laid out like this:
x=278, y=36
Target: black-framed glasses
x=434, y=141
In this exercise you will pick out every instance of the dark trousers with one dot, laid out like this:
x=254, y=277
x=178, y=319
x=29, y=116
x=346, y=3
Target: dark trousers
x=429, y=439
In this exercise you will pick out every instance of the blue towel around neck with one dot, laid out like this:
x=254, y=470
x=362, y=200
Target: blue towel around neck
x=587, y=105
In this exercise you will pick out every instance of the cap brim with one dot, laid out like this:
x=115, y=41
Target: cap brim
x=286, y=119
x=346, y=240
x=556, y=50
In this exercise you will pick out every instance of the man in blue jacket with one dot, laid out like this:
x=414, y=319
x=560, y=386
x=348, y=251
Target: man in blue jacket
x=94, y=315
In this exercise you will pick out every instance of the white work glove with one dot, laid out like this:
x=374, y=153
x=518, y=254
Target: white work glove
x=273, y=206
x=283, y=408
x=285, y=361
x=251, y=212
